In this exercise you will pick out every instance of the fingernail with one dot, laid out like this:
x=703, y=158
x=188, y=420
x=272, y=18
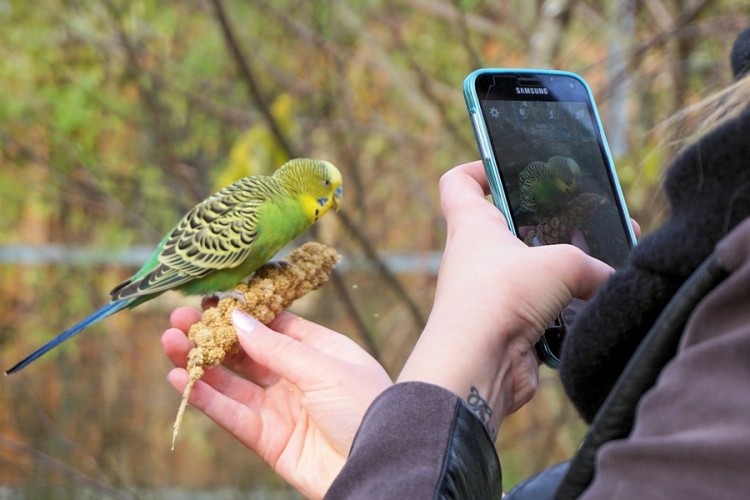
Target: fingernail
x=244, y=321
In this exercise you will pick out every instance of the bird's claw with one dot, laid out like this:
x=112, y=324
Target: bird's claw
x=235, y=294
x=276, y=264
x=273, y=264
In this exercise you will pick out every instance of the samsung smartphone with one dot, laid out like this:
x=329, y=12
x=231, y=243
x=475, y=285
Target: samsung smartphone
x=549, y=169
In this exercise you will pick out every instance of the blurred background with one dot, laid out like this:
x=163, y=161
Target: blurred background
x=117, y=116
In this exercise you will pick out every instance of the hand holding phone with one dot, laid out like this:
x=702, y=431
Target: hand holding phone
x=549, y=169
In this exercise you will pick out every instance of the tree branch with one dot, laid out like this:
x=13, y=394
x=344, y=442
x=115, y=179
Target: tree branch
x=261, y=102
x=52, y=464
x=153, y=106
x=426, y=85
x=545, y=42
x=251, y=82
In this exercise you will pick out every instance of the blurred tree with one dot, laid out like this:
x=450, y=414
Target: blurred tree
x=545, y=42
x=256, y=151
x=117, y=116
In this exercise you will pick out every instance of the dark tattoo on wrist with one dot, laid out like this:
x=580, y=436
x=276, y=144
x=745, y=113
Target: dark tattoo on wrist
x=479, y=405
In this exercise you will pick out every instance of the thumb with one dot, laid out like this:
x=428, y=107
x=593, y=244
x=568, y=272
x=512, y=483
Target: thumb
x=581, y=273
x=285, y=356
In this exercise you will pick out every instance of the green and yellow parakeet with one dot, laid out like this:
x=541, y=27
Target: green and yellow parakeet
x=225, y=238
x=544, y=185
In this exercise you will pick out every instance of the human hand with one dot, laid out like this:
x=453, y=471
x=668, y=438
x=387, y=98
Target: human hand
x=296, y=394
x=495, y=297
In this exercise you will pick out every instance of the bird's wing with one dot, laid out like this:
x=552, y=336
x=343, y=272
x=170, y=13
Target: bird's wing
x=531, y=174
x=218, y=233
x=533, y=171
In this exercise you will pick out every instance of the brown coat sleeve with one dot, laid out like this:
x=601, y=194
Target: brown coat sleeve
x=692, y=432
x=419, y=441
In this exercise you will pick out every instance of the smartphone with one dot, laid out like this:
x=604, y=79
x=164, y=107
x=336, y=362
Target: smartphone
x=549, y=169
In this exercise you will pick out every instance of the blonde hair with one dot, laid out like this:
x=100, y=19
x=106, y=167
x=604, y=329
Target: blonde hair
x=693, y=122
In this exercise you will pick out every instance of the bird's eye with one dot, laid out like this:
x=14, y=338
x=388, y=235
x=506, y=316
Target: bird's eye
x=326, y=183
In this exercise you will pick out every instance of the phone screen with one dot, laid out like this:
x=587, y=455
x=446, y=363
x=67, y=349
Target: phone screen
x=550, y=170
x=553, y=164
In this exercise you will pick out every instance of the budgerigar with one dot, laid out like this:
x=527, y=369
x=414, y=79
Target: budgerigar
x=544, y=185
x=225, y=238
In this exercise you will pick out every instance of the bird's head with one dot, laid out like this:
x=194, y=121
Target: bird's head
x=567, y=171
x=319, y=184
x=334, y=182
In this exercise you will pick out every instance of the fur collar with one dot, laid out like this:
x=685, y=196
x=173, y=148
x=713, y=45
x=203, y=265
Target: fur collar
x=708, y=187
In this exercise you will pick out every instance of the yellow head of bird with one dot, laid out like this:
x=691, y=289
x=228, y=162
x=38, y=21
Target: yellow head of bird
x=317, y=182
x=335, y=183
x=566, y=170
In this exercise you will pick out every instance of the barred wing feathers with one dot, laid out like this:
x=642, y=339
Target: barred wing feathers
x=532, y=173
x=218, y=233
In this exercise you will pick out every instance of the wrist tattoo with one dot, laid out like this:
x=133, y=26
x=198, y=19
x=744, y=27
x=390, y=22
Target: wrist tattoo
x=480, y=406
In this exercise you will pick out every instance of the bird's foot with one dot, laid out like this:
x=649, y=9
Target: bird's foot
x=213, y=299
x=273, y=264
x=277, y=264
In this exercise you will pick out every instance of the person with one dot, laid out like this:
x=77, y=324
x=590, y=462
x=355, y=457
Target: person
x=329, y=420
x=329, y=382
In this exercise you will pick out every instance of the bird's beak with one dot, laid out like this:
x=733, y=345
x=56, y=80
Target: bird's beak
x=338, y=198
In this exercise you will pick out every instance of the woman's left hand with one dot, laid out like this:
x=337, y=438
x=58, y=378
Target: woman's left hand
x=296, y=394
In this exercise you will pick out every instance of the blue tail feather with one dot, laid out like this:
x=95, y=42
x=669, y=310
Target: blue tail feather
x=99, y=315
